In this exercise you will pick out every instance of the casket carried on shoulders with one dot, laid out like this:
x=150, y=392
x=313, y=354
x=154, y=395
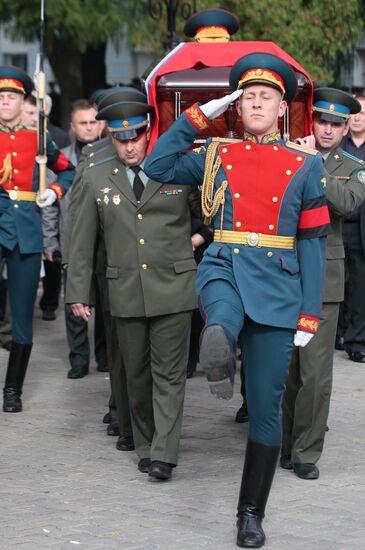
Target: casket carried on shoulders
x=198, y=72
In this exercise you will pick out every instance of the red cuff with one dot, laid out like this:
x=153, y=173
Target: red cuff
x=197, y=118
x=308, y=323
x=57, y=189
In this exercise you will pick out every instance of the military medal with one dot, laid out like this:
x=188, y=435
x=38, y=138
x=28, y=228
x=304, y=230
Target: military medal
x=116, y=199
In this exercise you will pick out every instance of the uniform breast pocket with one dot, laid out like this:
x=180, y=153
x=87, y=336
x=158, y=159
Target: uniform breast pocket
x=112, y=272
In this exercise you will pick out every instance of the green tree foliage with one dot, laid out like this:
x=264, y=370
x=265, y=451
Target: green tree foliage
x=312, y=32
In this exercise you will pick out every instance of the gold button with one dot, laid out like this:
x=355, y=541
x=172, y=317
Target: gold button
x=271, y=227
x=248, y=147
x=14, y=154
x=16, y=206
x=237, y=195
x=15, y=171
x=299, y=159
x=229, y=166
x=238, y=224
x=15, y=186
x=224, y=150
x=288, y=172
x=275, y=199
x=141, y=241
x=276, y=148
x=12, y=136
x=140, y=216
x=144, y=266
x=236, y=250
x=269, y=254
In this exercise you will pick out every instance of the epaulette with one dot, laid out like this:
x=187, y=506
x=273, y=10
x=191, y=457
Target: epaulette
x=99, y=142
x=101, y=161
x=100, y=150
x=225, y=140
x=301, y=148
x=348, y=155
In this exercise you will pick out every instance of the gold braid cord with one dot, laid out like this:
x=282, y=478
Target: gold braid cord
x=5, y=171
x=211, y=202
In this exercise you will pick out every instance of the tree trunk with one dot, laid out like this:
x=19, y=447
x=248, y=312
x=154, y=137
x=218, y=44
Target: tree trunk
x=93, y=69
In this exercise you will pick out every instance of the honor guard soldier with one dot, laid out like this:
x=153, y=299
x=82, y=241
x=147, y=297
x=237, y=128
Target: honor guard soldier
x=263, y=273
x=20, y=219
x=150, y=272
x=308, y=388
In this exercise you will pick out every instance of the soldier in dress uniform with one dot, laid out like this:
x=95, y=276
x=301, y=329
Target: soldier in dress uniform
x=20, y=220
x=118, y=418
x=150, y=273
x=263, y=273
x=308, y=389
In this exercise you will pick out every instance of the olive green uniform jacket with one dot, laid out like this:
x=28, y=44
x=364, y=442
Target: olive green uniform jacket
x=308, y=388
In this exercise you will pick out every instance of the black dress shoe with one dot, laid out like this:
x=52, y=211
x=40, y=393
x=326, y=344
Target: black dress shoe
x=107, y=418
x=306, y=470
x=7, y=345
x=77, y=373
x=357, y=356
x=125, y=443
x=144, y=465
x=102, y=367
x=242, y=414
x=340, y=343
x=113, y=427
x=160, y=470
x=48, y=315
x=285, y=462
x=12, y=402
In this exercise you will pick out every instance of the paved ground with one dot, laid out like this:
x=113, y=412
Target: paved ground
x=63, y=483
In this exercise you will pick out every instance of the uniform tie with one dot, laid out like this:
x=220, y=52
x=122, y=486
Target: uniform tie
x=138, y=186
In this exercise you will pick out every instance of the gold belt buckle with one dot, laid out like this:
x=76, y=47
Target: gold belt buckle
x=13, y=195
x=253, y=239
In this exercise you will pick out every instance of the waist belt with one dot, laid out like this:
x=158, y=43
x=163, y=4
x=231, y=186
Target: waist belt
x=22, y=195
x=253, y=239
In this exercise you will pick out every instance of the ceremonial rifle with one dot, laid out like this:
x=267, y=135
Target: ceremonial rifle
x=40, y=79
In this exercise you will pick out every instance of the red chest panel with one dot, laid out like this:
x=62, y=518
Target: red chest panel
x=258, y=176
x=22, y=146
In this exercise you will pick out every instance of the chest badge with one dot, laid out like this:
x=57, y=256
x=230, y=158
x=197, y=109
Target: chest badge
x=106, y=190
x=106, y=199
x=116, y=199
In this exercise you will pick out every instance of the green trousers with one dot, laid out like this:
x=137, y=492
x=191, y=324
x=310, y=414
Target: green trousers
x=154, y=352
x=308, y=391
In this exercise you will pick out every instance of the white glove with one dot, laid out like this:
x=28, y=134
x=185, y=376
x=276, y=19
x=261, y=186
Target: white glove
x=48, y=198
x=302, y=338
x=216, y=107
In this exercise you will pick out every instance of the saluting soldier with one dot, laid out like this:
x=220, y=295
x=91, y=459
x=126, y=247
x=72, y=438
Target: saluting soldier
x=20, y=220
x=263, y=272
x=150, y=273
x=308, y=389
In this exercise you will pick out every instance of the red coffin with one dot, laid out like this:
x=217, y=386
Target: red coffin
x=200, y=71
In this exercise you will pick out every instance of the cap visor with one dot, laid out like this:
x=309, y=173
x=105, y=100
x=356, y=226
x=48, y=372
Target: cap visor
x=125, y=134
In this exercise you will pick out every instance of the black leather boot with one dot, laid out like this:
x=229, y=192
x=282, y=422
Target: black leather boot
x=17, y=367
x=258, y=473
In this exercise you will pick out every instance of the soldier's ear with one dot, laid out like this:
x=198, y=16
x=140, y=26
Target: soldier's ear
x=282, y=108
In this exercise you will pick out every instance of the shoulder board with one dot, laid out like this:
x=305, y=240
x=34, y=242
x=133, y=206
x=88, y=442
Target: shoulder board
x=98, y=142
x=225, y=140
x=346, y=154
x=301, y=148
x=101, y=161
x=90, y=154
